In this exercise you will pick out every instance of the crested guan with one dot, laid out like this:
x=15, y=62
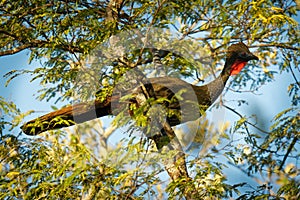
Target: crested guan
x=236, y=58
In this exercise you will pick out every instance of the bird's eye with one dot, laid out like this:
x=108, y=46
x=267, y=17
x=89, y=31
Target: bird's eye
x=243, y=54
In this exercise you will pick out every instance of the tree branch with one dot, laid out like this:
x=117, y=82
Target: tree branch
x=15, y=50
x=288, y=152
x=284, y=46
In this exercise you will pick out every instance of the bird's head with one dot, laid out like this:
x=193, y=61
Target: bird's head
x=237, y=57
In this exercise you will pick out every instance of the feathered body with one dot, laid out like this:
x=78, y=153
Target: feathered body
x=195, y=99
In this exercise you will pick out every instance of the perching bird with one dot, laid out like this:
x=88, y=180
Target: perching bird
x=194, y=99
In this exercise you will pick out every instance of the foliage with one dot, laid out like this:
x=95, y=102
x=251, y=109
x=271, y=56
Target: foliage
x=81, y=164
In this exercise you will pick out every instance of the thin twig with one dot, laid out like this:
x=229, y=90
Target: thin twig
x=248, y=132
x=251, y=124
x=298, y=83
x=288, y=152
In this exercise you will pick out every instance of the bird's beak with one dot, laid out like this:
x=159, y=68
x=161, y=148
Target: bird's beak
x=251, y=57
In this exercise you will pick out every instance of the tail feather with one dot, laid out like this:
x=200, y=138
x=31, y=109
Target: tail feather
x=68, y=116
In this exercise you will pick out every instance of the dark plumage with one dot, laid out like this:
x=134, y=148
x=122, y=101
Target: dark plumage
x=185, y=110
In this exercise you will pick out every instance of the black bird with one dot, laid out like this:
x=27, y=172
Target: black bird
x=236, y=58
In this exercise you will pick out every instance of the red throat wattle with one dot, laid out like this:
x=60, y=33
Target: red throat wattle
x=237, y=67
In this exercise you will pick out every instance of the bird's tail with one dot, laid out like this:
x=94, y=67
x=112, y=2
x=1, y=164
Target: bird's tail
x=68, y=116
